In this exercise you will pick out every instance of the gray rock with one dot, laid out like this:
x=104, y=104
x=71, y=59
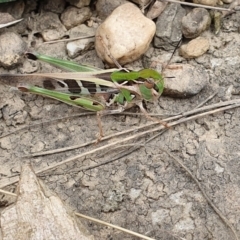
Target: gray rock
x=168, y=32
x=11, y=50
x=195, y=22
x=16, y=9
x=73, y=16
x=81, y=31
x=80, y=46
x=227, y=1
x=79, y=3
x=142, y=3
x=104, y=7
x=234, y=4
x=184, y=80
x=207, y=2
x=156, y=9
x=90, y=58
x=57, y=50
x=56, y=6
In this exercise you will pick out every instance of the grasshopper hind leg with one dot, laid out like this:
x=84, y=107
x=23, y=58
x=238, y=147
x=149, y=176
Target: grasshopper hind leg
x=99, y=121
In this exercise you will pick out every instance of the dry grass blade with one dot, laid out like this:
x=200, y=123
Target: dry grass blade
x=10, y=23
x=8, y=193
x=114, y=226
x=206, y=100
x=69, y=39
x=197, y=5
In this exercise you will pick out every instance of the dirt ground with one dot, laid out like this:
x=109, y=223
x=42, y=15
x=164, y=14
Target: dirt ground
x=144, y=191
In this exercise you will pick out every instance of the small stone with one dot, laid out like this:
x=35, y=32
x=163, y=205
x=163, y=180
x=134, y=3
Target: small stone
x=184, y=80
x=6, y=144
x=11, y=50
x=79, y=3
x=126, y=34
x=73, y=16
x=194, y=48
x=81, y=31
x=206, y=2
x=156, y=9
x=169, y=24
x=50, y=27
x=195, y=22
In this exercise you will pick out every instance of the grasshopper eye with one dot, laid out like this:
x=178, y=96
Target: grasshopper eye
x=23, y=89
x=73, y=97
x=149, y=83
x=95, y=103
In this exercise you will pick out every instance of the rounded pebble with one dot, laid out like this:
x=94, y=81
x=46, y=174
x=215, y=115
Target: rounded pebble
x=195, y=22
x=194, y=48
x=123, y=36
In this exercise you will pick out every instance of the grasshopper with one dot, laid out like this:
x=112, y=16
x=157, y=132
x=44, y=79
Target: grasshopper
x=103, y=91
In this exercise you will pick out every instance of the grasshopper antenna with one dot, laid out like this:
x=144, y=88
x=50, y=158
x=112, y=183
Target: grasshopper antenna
x=106, y=49
x=178, y=44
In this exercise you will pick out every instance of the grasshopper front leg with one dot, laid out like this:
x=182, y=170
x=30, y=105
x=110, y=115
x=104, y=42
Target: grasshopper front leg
x=99, y=121
x=143, y=110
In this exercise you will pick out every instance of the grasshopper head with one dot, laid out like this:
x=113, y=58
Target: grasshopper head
x=154, y=84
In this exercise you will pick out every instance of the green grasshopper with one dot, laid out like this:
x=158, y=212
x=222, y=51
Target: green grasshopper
x=105, y=91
